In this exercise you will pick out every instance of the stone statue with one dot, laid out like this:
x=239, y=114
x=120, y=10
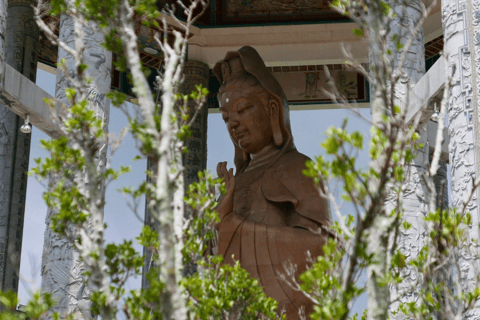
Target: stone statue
x=271, y=214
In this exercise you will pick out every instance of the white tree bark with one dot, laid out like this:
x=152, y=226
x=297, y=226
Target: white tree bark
x=61, y=266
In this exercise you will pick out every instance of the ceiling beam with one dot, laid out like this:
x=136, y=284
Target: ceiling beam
x=427, y=92
x=22, y=96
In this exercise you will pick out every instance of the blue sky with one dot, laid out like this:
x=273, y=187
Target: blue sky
x=308, y=127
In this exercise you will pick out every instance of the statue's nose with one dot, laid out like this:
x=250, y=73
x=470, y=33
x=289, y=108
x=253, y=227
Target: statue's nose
x=234, y=122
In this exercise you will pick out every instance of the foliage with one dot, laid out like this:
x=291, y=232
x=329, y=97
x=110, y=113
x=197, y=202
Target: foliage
x=227, y=292
x=36, y=307
x=441, y=281
x=77, y=174
x=363, y=243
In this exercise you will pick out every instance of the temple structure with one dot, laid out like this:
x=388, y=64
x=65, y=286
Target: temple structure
x=296, y=39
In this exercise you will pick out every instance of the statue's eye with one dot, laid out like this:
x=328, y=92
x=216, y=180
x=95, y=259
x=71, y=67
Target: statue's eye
x=244, y=108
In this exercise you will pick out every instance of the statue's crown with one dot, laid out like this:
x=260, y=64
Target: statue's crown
x=232, y=68
x=247, y=60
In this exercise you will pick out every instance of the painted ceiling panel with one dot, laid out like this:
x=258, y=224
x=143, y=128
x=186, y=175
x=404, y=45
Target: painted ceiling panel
x=265, y=12
x=241, y=12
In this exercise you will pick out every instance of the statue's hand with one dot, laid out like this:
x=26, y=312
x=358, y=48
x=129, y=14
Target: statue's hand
x=226, y=202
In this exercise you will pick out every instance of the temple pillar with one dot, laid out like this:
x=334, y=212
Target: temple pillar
x=3, y=45
x=415, y=196
x=22, y=38
x=195, y=160
x=461, y=27
x=415, y=199
x=61, y=266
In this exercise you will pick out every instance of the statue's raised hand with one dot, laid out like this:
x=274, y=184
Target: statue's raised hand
x=226, y=202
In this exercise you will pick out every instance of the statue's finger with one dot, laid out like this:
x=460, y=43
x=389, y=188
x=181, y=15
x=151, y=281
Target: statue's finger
x=231, y=179
x=225, y=174
x=219, y=169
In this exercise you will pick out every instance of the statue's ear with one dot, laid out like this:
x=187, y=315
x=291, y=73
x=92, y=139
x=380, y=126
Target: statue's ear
x=275, y=122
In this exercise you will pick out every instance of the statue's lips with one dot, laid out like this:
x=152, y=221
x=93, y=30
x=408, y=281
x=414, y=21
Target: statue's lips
x=240, y=134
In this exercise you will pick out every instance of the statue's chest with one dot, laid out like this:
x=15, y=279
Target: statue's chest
x=250, y=202
x=248, y=198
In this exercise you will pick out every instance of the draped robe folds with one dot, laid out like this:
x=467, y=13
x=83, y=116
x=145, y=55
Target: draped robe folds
x=279, y=215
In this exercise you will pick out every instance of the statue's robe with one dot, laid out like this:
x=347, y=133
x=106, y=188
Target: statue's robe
x=279, y=215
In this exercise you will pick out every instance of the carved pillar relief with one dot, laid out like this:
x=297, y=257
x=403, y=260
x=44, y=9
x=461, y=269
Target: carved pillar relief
x=21, y=39
x=473, y=10
x=413, y=69
x=61, y=266
x=195, y=160
x=460, y=19
x=415, y=196
x=462, y=102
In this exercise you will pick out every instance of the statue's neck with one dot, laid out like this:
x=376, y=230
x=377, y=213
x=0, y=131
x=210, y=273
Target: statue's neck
x=262, y=157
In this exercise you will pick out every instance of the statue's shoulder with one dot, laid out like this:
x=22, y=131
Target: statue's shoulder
x=289, y=170
x=287, y=183
x=293, y=160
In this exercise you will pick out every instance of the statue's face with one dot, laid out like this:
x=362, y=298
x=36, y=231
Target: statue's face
x=247, y=119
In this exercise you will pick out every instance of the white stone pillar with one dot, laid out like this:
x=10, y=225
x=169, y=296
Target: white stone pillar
x=415, y=197
x=415, y=203
x=460, y=19
x=61, y=267
x=460, y=25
